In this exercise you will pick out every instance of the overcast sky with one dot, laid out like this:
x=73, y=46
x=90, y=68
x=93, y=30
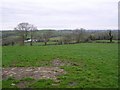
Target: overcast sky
x=60, y=14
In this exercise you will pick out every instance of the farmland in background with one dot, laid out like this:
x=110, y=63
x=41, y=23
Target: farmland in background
x=88, y=58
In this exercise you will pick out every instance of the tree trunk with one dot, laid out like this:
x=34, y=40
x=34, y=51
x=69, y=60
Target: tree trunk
x=45, y=43
x=111, y=36
x=111, y=39
x=31, y=37
x=22, y=41
x=31, y=42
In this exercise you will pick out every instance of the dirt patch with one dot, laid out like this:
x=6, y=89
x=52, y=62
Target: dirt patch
x=57, y=62
x=32, y=72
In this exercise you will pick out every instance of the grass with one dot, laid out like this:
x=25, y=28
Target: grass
x=106, y=41
x=97, y=63
x=56, y=38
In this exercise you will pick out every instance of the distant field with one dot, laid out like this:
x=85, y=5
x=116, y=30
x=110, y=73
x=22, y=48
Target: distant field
x=94, y=65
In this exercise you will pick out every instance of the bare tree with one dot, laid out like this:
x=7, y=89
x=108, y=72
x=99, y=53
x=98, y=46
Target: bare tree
x=23, y=29
x=79, y=34
x=46, y=36
x=92, y=37
x=67, y=38
x=32, y=30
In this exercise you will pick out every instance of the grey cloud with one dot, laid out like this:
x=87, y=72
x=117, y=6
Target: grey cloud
x=61, y=14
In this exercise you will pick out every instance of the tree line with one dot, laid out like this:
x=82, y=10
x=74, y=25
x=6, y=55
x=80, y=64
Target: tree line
x=25, y=31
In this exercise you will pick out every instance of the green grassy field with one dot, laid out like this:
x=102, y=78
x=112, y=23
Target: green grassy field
x=97, y=64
